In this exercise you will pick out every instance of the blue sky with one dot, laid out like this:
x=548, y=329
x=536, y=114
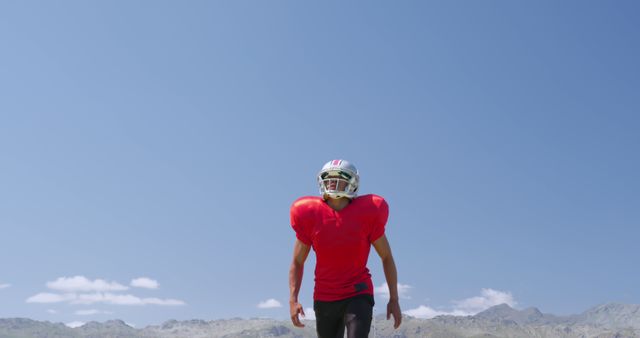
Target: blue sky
x=151, y=151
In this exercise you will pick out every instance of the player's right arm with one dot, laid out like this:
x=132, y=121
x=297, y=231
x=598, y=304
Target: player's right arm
x=300, y=253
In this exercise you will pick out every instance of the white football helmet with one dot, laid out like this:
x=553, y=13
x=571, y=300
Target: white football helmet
x=338, y=178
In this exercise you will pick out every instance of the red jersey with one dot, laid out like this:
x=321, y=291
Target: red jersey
x=342, y=241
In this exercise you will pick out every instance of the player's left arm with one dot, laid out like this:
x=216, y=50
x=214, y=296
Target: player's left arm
x=391, y=274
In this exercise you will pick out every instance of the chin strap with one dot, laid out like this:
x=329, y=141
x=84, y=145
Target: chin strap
x=326, y=197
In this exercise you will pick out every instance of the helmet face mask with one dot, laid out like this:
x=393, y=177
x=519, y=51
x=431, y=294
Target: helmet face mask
x=338, y=178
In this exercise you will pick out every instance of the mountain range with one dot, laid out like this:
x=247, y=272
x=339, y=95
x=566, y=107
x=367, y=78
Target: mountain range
x=603, y=321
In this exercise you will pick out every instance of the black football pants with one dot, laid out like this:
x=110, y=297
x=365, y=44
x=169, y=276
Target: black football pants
x=353, y=313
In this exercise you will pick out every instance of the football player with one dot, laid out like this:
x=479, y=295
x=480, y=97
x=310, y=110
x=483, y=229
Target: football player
x=341, y=227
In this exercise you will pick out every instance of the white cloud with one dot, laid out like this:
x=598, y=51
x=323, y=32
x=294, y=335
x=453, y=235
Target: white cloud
x=428, y=312
x=144, y=282
x=82, y=284
x=80, y=290
x=423, y=312
x=107, y=298
x=120, y=299
x=52, y=311
x=45, y=297
x=74, y=324
x=383, y=290
x=487, y=299
x=91, y=312
x=87, y=312
x=157, y=301
x=468, y=306
x=104, y=298
x=4, y=286
x=269, y=304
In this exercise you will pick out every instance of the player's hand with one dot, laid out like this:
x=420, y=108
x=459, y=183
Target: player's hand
x=393, y=308
x=296, y=309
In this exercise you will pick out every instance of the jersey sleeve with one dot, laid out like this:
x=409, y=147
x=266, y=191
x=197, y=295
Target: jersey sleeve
x=381, y=214
x=299, y=226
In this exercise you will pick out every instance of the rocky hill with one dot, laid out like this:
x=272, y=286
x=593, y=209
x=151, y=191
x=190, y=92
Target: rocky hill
x=603, y=321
